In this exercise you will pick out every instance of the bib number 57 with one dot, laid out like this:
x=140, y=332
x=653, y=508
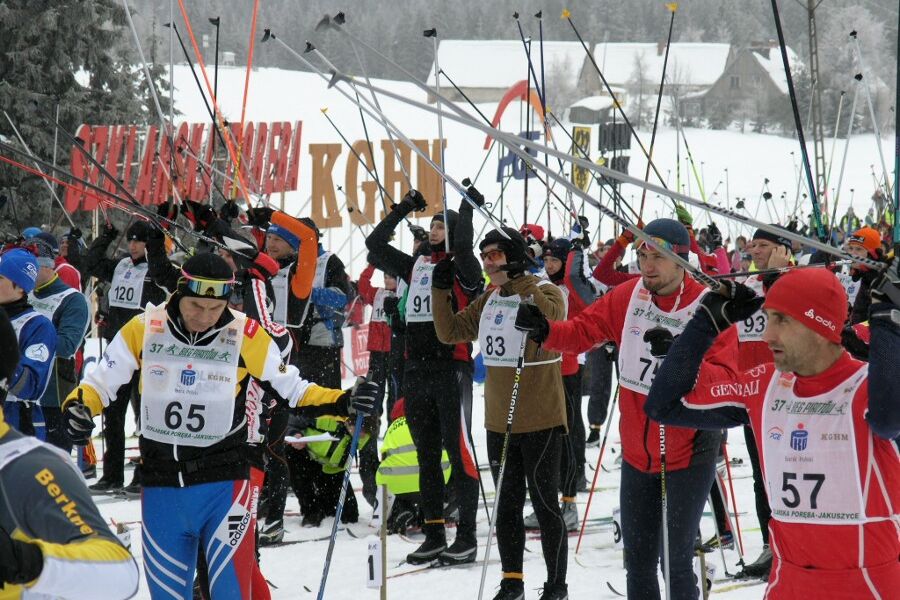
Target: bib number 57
x=192, y=418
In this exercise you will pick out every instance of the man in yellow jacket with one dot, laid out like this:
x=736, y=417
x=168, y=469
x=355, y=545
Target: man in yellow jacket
x=53, y=541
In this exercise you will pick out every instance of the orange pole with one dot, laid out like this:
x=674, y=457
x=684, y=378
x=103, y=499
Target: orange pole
x=231, y=152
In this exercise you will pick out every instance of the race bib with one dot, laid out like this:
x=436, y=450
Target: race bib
x=752, y=328
x=127, y=285
x=188, y=392
x=498, y=337
x=418, y=303
x=809, y=453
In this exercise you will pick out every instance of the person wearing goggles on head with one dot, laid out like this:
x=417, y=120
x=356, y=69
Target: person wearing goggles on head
x=662, y=299
x=194, y=358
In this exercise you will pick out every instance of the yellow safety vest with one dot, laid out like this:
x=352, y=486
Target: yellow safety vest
x=331, y=455
x=399, y=468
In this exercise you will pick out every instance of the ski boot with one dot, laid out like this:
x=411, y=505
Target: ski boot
x=435, y=543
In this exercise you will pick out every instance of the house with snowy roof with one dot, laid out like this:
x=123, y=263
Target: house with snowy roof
x=693, y=67
x=485, y=69
x=751, y=82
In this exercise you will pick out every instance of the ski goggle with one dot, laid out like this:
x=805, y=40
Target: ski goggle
x=208, y=288
x=674, y=248
x=494, y=254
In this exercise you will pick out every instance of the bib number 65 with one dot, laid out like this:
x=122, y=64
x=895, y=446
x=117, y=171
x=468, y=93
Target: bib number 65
x=192, y=418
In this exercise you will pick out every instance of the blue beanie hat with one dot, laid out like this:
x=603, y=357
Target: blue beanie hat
x=672, y=232
x=292, y=240
x=21, y=267
x=30, y=232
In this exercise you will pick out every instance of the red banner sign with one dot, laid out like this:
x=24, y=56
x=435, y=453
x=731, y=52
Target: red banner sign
x=143, y=161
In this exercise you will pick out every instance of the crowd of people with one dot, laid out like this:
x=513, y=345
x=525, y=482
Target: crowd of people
x=229, y=354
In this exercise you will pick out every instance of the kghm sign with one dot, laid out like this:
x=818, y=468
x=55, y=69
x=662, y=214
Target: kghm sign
x=144, y=161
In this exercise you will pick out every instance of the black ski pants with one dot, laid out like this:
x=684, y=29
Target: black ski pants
x=114, y=432
x=601, y=368
x=532, y=460
x=640, y=499
x=435, y=417
x=572, y=463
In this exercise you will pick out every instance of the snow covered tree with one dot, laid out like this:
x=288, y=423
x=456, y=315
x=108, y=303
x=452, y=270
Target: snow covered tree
x=74, y=55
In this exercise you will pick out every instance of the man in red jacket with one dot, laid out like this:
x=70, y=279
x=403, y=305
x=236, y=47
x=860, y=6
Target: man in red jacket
x=664, y=296
x=826, y=425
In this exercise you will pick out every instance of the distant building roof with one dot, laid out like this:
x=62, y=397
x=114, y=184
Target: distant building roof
x=501, y=63
x=697, y=64
x=770, y=60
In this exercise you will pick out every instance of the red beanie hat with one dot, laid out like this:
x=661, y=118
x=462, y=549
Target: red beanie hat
x=813, y=296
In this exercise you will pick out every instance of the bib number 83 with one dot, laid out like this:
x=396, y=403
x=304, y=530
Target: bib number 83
x=495, y=346
x=193, y=419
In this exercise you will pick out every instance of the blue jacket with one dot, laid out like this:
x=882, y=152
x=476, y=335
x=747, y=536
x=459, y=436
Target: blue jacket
x=71, y=320
x=37, y=347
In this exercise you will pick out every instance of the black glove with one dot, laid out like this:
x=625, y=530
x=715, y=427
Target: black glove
x=855, y=346
x=532, y=321
x=660, y=340
x=363, y=396
x=371, y=259
x=886, y=288
x=475, y=196
x=200, y=215
x=259, y=217
x=229, y=210
x=74, y=234
x=78, y=422
x=412, y=201
x=713, y=236
x=168, y=211
x=443, y=275
x=20, y=562
x=392, y=306
x=419, y=234
x=737, y=304
x=109, y=232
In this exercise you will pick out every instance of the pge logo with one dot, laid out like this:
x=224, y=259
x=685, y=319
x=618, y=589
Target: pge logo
x=776, y=433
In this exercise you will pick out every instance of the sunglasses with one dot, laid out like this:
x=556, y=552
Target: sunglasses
x=492, y=254
x=674, y=248
x=217, y=288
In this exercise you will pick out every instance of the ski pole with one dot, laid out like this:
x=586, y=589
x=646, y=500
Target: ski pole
x=804, y=153
x=665, y=510
x=432, y=33
x=514, y=397
x=672, y=7
x=779, y=270
x=862, y=68
x=737, y=518
x=609, y=420
x=354, y=443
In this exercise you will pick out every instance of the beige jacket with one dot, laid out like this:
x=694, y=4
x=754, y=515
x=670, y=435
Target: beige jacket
x=541, y=401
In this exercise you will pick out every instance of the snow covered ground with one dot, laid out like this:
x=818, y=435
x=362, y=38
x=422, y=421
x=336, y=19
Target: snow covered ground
x=296, y=569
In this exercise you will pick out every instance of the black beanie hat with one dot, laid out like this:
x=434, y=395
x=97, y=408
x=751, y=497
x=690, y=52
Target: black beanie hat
x=453, y=217
x=514, y=248
x=558, y=249
x=139, y=231
x=208, y=266
x=761, y=234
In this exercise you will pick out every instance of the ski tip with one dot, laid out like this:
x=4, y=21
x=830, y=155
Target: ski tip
x=335, y=78
x=853, y=34
x=324, y=109
x=566, y=13
x=309, y=47
x=323, y=23
x=167, y=24
x=539, y=14
x=340, y=18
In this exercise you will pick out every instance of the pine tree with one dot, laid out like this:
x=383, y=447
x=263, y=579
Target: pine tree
x=75, y=55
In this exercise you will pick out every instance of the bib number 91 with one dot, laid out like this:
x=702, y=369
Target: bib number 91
x=422, y=301
x=192, y=418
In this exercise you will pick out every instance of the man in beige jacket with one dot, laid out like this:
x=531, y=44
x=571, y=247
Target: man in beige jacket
x=539, y=419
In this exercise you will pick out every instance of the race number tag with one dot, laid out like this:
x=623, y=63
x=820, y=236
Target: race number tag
x=418, y=303
x=127, y=285
x=497, y=335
